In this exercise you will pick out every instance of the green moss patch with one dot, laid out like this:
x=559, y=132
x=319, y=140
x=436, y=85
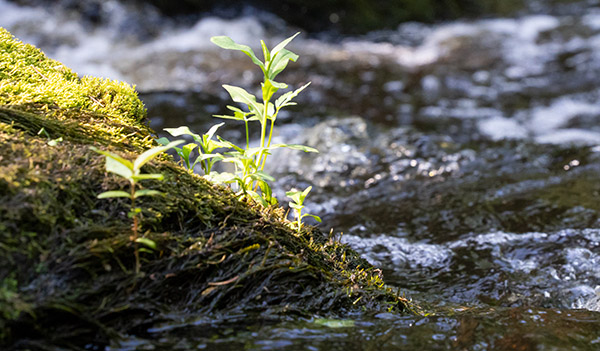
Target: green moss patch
x=66, y=257
x=36, y=91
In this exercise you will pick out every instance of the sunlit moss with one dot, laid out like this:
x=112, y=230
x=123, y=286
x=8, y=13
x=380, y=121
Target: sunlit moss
x=32, y=82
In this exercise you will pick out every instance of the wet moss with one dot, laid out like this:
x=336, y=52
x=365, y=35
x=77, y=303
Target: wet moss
x=66, y=257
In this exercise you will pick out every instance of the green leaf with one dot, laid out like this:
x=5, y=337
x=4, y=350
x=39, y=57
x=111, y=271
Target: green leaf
x=146, y=192
x=294, y=195
x=298, y=196
x=268, y=89
x=253, y=151
x=115, y=166
x=266, y=190
x=283, y=44
x=230, y=144
x=234, y=109
x=265, y=50
x=43, y=131
x=212, y=145
x=260, y=175
x=296, y=206
x=304, y=193
x=317, y=218
x=55, y=142
x=116, y=157
x=256, y=197
x=212, y=131
x=270, y=111
x=134, y=212
x=242, y=96
x=183, y=130
x=279, y=85
x=234, y=160
x=113, y=193
x=148, y=242
x=236, y=117
x=203, y=157
x=187, y=149
x=156, y=176
x=253, y=117
x=280, y=62
x=285, y=99
x=228, y=43
x=296, y=147
x=163, y=141
x=148, y=155
x=221, y=178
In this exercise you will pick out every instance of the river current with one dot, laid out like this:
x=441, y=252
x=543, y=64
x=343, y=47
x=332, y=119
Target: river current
x=462, y=158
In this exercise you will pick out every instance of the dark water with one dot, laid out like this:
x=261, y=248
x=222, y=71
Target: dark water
x=516, y=328
x=461, y=158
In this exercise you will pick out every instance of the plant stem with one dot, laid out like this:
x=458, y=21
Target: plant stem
x=263, y=133
x=204, y=163
x=247, y=135
x=134, y=228
x=264, y=159
x=263, y=130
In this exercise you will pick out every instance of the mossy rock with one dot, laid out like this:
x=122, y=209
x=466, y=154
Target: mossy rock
x=66, y=257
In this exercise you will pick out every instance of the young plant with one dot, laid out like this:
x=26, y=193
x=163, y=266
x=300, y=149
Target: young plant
x=265, y=112
x=249, y=162
x=205, y=147
x=51, y=142
x=297, y=204
x=132, y=172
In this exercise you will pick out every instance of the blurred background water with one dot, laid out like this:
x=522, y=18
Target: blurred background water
x=459, y=151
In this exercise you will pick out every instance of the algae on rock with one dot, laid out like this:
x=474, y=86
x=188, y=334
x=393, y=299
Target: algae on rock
x=66, y=258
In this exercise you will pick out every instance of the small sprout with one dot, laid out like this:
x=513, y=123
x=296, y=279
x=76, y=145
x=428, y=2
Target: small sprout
x=297, y=204
x=50, y=142
x=204, y=145
x=132, y=172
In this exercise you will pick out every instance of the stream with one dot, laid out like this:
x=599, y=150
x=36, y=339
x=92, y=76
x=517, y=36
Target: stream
x=462, y=158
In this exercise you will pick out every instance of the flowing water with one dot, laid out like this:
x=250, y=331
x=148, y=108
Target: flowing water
x=462, y=158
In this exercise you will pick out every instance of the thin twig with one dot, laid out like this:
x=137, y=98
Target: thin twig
x=40, y=73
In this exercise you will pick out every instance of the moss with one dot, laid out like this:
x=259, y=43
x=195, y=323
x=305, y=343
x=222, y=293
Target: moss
x=36, y=91
x=66, y=258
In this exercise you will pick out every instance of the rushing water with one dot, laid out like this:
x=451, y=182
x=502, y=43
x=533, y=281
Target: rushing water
x=461, y=158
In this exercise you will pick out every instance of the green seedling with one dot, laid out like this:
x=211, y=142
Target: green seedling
x=50, y=142
x=249, y=162
x=204, y=145
x=297, y=204
x=265, y=112
x=132, y=172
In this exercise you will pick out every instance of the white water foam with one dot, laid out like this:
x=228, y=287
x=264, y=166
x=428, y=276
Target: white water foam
x=383, y=250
